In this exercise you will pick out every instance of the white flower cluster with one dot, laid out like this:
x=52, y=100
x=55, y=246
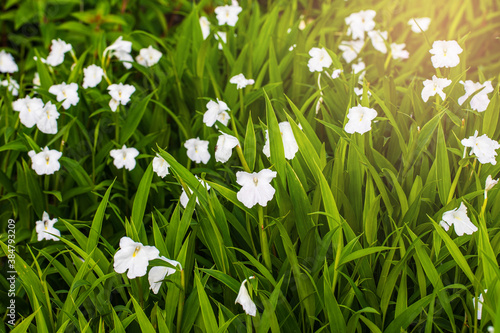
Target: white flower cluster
x=225, y=15
x=134, y=257
x=33, y=111
x=7, y=63
x=446, y=54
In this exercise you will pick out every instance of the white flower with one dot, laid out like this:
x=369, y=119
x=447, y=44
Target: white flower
x=158, y=273
x=480, y=301
x=45, y=228
x=92, y=76
x=113, y=104
x=205, y=27
x=224, y=147
x=423, y=22
x=12, y=86
x=320, y=59
x=359, y=23
x=256, y=187
x=160, y=166
x=290, y=145
x=124, y=157
x=244, y=299
x=458, y=217
x=7, y=63
x=480, y=101
x=359, y=68
x=433, y=87
x=302, y=23
x=359, y=91
x=36, y=80
x=45, y=162
x=57, y=51
x=121, y=49
x=445, y=53
x=240, y=81
x=184, y=198
x=360, y=119
x=148, y=57
x=120, y=93
x=336, y=73
x=398, y=51
x=214, y=110
x=134, y=257
x=41, y=59
x=483, y=147
x=197, y=150
x=490, y=182
x=47, y=122
x=223, y=117
x=228, y=14
x=221, y=37
x=67, y=93
x=351, y=49
x=29, y=110
x=379, y=39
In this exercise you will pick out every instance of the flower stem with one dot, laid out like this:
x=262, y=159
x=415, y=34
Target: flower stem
x=249, y=230
x=242, y=104
x=139, y=286
x=249, y=324
x=117, y=125
x=181, y=301
x=263, y=240
x=454, y=185
x=242, y=159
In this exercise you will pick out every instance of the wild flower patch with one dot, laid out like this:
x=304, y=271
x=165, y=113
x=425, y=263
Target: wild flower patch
x=250, y=165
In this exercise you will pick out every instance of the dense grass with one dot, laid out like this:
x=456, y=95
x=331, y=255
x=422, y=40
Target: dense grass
x=351, y=240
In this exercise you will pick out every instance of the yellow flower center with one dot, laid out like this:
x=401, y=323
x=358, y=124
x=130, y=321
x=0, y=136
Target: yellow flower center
x=255, y=180
x=137, y=249
x=47, y=158
x=46, y=223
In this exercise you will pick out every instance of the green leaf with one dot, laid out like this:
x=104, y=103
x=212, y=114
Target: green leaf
x=407, y=317
x=443, y=167
x=134, y=117
x=275, y=141
x=250, y=146
x=25, y=323
x=34, y=190
x=141, y=198
x=207, y=313
x=142, y=319
x=95, y=230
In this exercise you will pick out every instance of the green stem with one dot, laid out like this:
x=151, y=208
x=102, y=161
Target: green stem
x=117, y=125
x=242, y=159
x=233, y=124
x=454, y=185
x=249, y=324
x=249, y=230
x=46, y=184
x=263, y=240
x=242, y=105
x=139, y=286
x=181, y=301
